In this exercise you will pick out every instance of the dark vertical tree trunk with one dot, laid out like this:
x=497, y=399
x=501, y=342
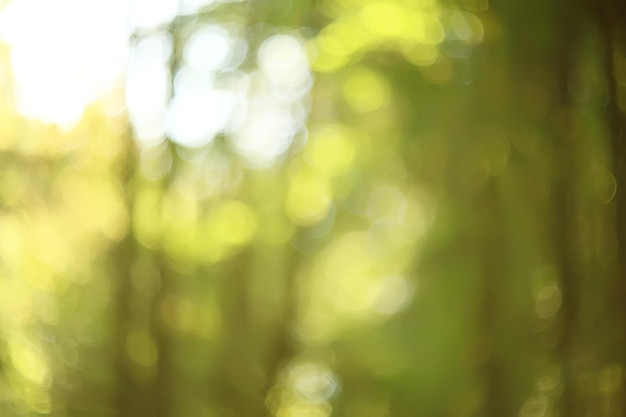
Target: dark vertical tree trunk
x=283, y=344
x=234, y=358
x=138, y=396
x=567, y=24
x=123, y=382
x=164, y=372
x=541, y=58
x=612, y=23
x=122, y=256
x=498, y=400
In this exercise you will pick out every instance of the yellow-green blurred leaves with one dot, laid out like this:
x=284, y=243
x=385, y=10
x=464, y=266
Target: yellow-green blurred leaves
x=359, y=277
x=146, y=278
x=365, y=90
x=179, y=215
x=338, y=157
x=191, y=317
x=29, y=362
x=305, y=388
x=335, y=45
x=297, y=408
x=438, y=71
x=226, y=226
x=475, y=5
x=27, y=388
x=186, y=227
x=604, y=184
x=61, y=208
x=324, y=172
x=275, y=227
x=64, y=198
x=413, y=29
x=141, y=349
x=233, y=222
x=309, y=196
x=11, y=128
x=494, y=149
x=332, y=149
x=95, y=202
x=14, y=243
x=463, y=26
x=395, y=21
x=350, y=287
x=146, y=219
x=13, y=187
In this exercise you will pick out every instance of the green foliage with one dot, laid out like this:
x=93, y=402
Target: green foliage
x=437, y=233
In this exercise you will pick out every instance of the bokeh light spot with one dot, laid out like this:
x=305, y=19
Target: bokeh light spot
x=194, y=118
x=234, y=222
x=283, y=59
x=394, y=295
x=29, y=362
x=313, y=382
x=147, y=85
x=332, y=149
x=309, y=197
x=209, y=48
x=548, y=301
x=365, y=90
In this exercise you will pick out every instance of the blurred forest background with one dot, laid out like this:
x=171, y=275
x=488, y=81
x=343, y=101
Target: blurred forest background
x=306, y=208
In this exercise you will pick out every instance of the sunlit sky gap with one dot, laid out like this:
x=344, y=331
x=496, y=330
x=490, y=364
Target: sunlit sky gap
x=57, y=74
